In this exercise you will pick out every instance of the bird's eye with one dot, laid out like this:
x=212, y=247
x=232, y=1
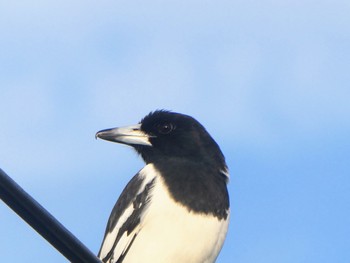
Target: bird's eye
x=165, y=128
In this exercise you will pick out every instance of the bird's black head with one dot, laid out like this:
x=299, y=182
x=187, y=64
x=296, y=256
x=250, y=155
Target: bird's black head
x=167, y=135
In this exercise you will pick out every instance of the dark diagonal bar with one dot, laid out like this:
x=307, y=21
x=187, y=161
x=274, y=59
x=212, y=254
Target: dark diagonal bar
x=43, y=222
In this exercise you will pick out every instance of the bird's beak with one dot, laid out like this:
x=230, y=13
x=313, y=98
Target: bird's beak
x=131, y=135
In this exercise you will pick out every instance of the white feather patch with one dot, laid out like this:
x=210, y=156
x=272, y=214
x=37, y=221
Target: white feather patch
x=167, y=232
x=170, y=233
x=147, y=175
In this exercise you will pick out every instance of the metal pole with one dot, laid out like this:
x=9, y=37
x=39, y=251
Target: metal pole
x=43, y=222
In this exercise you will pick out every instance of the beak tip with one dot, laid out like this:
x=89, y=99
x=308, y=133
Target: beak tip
x=96, y=135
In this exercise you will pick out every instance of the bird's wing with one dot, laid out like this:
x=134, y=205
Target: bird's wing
x=124, y=221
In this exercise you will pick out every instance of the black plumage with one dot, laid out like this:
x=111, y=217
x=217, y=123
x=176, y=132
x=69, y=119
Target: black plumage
x=186, y=168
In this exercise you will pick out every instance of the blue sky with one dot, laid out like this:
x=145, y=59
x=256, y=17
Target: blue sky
x=268, y=79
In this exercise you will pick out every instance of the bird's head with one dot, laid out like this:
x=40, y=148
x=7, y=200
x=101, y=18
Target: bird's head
x=164, y=134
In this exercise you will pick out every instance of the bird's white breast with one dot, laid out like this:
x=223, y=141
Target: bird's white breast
x=170, y=233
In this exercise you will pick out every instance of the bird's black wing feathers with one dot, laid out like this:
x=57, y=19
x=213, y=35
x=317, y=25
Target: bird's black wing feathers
x=135, y=196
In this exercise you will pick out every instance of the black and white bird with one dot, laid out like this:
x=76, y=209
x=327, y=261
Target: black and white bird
x=176, y=209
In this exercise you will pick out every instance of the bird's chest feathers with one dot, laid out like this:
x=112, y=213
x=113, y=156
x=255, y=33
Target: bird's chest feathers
x=172, y=233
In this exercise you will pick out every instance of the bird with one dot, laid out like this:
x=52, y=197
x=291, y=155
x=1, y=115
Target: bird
x=176, y=208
